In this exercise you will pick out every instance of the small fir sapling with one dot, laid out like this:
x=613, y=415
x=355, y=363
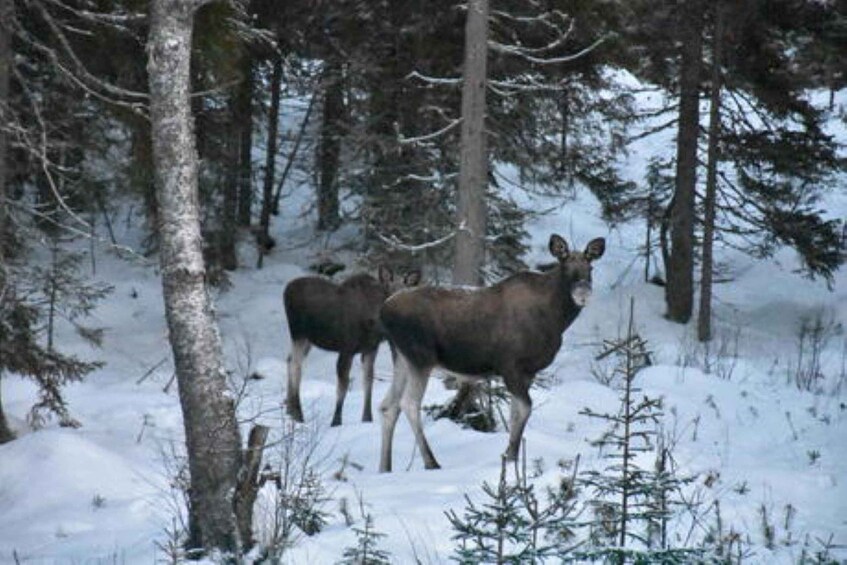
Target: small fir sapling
x=631, y=504
x=367, y=550
x=512, y=525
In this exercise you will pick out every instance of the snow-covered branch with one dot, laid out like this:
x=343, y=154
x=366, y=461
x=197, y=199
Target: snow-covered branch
x=527, y=54
x=512, y=87
x=431, y=178
x=395, y=243
x=435, y=80
x=427, y=137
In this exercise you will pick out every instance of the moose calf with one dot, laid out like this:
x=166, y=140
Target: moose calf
x=512, y=329
x=337, y=317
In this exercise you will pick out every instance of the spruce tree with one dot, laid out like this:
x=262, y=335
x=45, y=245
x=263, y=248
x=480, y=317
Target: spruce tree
x=367, y=550
x=514, y=525
x=631, y=503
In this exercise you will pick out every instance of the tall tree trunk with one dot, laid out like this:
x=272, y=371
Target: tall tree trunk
x=329, y=150
x=263, y=238
x=679, y=292
x=6, y=7
x=471, y=220
x=211, y=431
x=226, y=238
x=473, y=170
x=244, y=112
x=704, y=319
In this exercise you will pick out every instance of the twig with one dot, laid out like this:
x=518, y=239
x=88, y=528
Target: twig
x=150, y=371
x=168, y=385
x=293, y=152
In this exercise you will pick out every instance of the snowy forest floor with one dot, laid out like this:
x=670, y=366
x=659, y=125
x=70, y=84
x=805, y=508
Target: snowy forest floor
x=767, y=450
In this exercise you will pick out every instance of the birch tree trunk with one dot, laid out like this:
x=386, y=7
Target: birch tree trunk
x=211, y=431
x=679, y=292
x=473, y=172
x=704, y=314
x=5, y=70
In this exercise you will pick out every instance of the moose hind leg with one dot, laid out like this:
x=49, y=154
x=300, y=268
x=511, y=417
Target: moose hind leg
x=390, y=408
x=299, y=350
x=345, y=360
x=368, y=360
x=411, y=405
x=520, y=409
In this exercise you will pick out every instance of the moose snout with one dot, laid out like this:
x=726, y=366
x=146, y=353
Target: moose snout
x=581, y=292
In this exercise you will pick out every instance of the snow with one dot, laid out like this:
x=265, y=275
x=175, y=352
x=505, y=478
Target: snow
x=104, y=491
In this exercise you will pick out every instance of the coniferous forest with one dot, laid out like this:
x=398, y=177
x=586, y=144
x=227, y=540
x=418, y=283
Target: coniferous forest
x=168, y=167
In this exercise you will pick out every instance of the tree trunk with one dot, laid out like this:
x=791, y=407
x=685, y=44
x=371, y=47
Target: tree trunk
x=244, y=112
x=679, y=292
x=473, y=171
x=211, y=431
x=471, y=220
x=6, y=8
x=226, y=238
x=264, y=237
x=329, y=150
x=248, y=485
x=704, y=319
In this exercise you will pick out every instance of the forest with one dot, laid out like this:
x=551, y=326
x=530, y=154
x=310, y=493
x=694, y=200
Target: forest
x=169, y=167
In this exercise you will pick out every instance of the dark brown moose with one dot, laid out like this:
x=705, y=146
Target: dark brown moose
x=512, y=329
x=343, y=318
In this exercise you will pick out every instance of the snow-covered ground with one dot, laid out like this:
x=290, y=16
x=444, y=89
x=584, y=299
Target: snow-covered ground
x=103, y=492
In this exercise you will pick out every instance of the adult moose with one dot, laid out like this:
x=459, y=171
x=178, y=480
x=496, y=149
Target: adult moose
x=343, y=318
x=513, y=329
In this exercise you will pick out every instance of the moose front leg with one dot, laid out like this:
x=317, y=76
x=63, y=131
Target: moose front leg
x=345, y=360
x=368, y=360
x=520, y=410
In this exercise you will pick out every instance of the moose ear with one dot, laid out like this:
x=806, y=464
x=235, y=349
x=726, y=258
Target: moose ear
x=412, y=278
x=595, y=249
x=558, y=247
x=386, y=276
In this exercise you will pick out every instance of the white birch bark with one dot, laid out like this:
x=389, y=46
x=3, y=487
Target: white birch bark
x=211, y=431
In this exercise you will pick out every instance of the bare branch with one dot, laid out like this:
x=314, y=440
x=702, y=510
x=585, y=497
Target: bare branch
x=118, y=20
x=421, y=138
x=86, y=234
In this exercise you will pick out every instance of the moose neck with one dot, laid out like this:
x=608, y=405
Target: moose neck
x=566, y=309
